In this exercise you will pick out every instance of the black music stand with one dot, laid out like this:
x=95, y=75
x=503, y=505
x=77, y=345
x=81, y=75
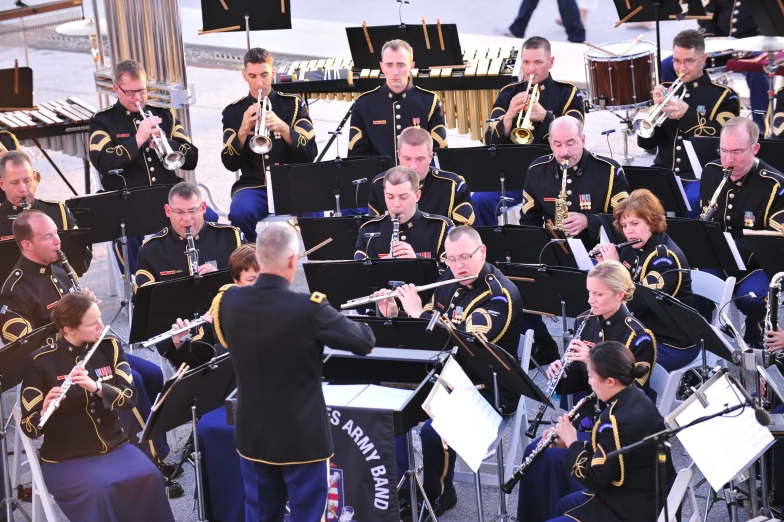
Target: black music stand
x=657, y=11
x=768, y=250
x=18, y=93
x=608, y=224
x=550, y=291
x=342, y=281
x=316, y=187
x=121, y=214
x=14, y=360
x=426, y=43
x=492, y=168
x=158, y=305
x=662, y=183
x=524, y=244
x=343, y=231
x=703, y=243
x=74, y=244
x=197, y=392
x=706, y=149
x=245, y=15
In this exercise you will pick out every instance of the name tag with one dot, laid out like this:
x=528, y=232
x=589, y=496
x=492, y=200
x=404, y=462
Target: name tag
x=123, y=135
x=379, y=122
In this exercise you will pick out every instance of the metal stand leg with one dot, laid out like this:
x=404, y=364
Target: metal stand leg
x=123, y=239
x=502, y=516
x=480, y=516
x=196, y=455
x=504, y=208
x=415, y=483
x=9, y=502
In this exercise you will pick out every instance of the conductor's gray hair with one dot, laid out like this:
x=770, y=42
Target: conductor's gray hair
x=275, y=244
x=571, y=120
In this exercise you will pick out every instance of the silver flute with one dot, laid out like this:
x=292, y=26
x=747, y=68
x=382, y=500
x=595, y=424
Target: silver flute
x=68, y=382
x=173, y=332
x=370, y=299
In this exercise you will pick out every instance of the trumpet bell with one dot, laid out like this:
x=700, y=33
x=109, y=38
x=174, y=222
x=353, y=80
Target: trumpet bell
x=521, y=136
x=260, y=144
x=174, y=160
x=645, y=128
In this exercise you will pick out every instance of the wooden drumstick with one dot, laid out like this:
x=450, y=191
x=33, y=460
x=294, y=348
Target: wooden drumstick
x=282, y=6
x=628, y=5
x=600, y=49
x=221, y=30
x=631, y=46
x=367, y=36
x=223, y=3
x=627, y=17
x=424, y=30
x=323, y=243
x=441, y=35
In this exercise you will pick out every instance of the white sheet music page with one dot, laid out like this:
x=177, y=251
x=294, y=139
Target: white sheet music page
x=725, y=446
x=454, y=376
x=603, y=237
x=341, y=394
x=380, y=397
x=735, y=253
x=580, y=254
x=270, y=199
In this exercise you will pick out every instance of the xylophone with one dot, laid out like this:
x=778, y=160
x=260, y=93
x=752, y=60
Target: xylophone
x=467, y=92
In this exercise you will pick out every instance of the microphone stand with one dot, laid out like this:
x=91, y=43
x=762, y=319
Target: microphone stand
x=123, y=239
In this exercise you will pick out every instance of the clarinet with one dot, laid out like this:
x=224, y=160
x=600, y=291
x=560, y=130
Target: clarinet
x=68, y=382
x=771, y=322
x=565, y=361
x=543, y=445
x=395, y=234
x=75, y=284
x=192, y=254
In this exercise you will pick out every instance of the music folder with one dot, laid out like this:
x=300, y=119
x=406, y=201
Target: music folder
x=524, y=244
x=705, y=244
x=229, y=15
x=768, y=249
x=546, y=289
x=483, y=167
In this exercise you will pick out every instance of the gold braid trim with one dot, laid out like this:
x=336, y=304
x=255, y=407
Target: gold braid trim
x=617, y=436
x=228, y=148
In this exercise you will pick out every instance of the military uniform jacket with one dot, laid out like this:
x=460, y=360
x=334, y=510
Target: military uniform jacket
x=710, y=107
x=56, y=210
x=754, y=202
x=30, y=292
x=8, y=141
x=648, y=266
x=593, y=186
x=443, y=193
x=424, y=232
x=624, y=488
x=162, y=256
x=730, y=18
x=622, y=327
x=113, y=146
x=557, y=98
x=380, y=115
x=84, y=424
x=303, y=149
x=276, y=339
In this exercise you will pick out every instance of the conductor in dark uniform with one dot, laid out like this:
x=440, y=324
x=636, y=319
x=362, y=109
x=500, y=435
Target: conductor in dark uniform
x=282, y=387
x=421, y=235
x=290, y=130
x=380, y=115
x=556, y=99
x=162, y=256
x=443, y=193
x=489, y=305
x=751, y=199
x=703, y=110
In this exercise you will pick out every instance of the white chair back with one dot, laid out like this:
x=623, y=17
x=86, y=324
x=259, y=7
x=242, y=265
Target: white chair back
x=43, y=504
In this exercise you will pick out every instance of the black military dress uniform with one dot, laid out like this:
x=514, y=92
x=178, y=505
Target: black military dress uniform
x=648, y=266
x=619, y=489
x=710, y=107
x=443, y=193
x=195, y=351
x=8, y=141
x=557, y=98
x=87, y=465
x=424, y=232
x=56, y=210
x=288, y=107
x=594, y=185
x=380, y=116
x=730, y=18
x=162, y=256
x=30, y=292
x=113, y=146
x=278, y=369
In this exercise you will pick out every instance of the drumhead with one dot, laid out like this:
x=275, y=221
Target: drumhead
x=719, y=44
x=640, y=49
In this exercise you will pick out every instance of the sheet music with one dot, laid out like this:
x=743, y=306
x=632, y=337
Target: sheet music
x=696, y=166
x=580, y=254
x=735, y=253
x=454, y=377
x=341, y=395
x=270, y=199
x=725, y=446
x=380, y=397
x=683, y=192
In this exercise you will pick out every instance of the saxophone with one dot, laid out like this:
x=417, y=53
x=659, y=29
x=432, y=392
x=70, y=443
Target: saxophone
x=712, y=206
x=561, y=208
x=191, y=253
x=543, y=445
x=76, y=286
x=565, y=361
x=395, y=234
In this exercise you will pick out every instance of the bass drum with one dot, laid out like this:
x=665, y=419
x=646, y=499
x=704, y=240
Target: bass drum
x=622, y=80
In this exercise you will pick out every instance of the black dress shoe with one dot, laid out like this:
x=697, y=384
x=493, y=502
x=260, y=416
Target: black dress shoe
x=170, y=471
x=175, y=489
x=445, y=502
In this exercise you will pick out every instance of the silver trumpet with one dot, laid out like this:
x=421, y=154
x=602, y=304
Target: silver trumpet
x=370, y=299
x=646, y=123
x=261, y=143
x=171, y=159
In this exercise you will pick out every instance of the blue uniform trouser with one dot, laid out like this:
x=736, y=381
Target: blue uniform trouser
x=570, y=14
x=692, y=190
x=672, y=359
x=754, y=308
x=248, y=207
x=758, y=90
x=267, y=487
x=569, y=502
x=486, y=206
x=545, y=483
x=135, y=244
x=438, y=463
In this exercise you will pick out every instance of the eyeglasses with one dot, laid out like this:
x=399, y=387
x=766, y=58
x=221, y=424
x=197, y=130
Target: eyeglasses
x=688, y=62
x=134, y=93
x=191, y=212
x=735, y=153
x=462, y=257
